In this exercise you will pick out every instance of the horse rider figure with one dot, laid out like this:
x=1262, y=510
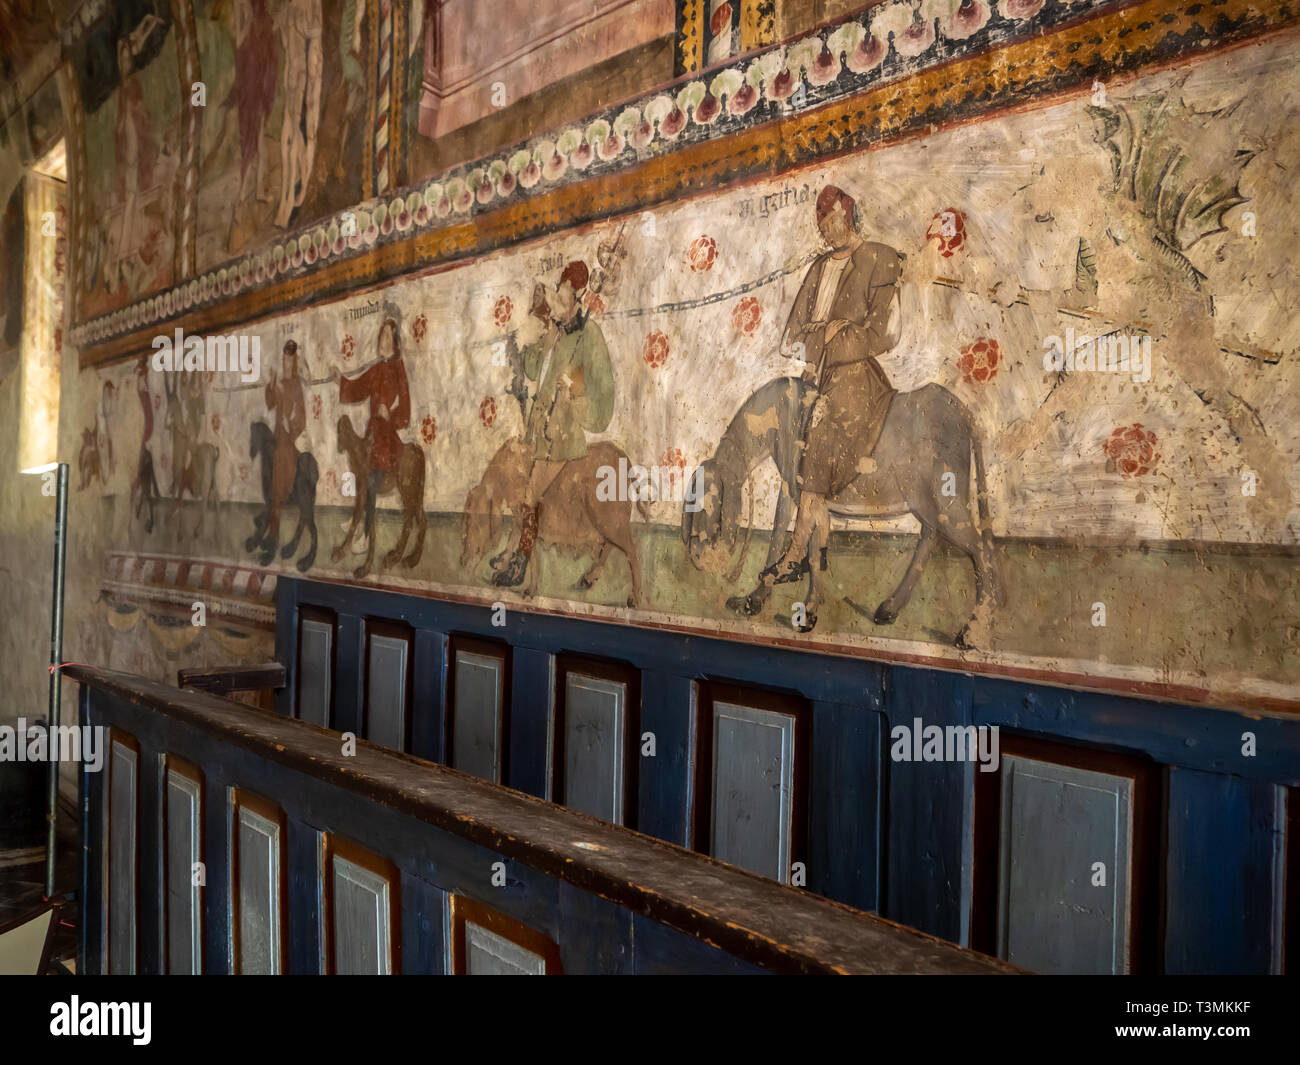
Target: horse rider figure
x=575, y=396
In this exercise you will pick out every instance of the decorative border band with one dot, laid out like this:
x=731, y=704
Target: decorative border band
x=840, y=89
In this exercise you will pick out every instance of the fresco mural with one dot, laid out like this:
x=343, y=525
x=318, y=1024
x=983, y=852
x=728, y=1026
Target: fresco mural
x=975, y=396
x=284, y=133
x=127, y=76
x=12, y=256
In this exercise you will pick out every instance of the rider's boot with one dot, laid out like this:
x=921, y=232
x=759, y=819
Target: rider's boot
x=514, y=568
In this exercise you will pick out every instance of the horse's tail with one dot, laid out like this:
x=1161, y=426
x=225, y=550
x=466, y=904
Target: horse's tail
x=981, y=486
x=986, y=520
x=734, y=575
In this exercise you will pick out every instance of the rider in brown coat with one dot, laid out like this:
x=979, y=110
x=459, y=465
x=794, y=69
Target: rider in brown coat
x=839, y=323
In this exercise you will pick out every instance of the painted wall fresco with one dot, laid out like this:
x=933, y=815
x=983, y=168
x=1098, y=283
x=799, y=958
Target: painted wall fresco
x=1067, y=328
x=284, y=132
x=127, y=75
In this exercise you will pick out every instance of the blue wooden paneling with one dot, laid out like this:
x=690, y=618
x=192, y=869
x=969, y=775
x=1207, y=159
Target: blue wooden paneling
x=889, y=836
x=844, y=804
x=928, y=807
x=304, y=919
x=595, y=936
x=350, y=674
x=422, y=925
x=531, y=688
x=429, y=693
x=286, y=645
x=90, y=791
x=660, y=950
x=216, y=860
x=663, y=782
x=1222, y=883
x=152, y=936
x=1195, y=737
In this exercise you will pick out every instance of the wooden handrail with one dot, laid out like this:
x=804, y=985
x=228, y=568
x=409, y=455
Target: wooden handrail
x=222, y=680
x=748, y=916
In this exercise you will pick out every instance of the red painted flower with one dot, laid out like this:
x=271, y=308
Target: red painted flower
x=747, y=315
x=157, y=402
x=164, y=462
x=349, y=346
x=655, y=349
x=315, y=407
x=331, y=479
x=502, y=311
x=243, y=473
x=216, y=423
x=428, y=429
x=1131, y=450
x=701, y=254
x=487, y=411
x=979, y=361
x=419, y=327
x=948, y=227
x=674, y=463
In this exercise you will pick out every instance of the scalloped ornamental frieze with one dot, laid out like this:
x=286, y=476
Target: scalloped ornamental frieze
x=892, y=70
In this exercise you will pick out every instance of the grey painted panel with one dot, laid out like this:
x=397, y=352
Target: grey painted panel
x=259, y=893
x=123, y=785
x=184, y=816
x=1057, y=821
x=386, y=694
x=476, y=720
x=315, y=671
x=488, y=954
x=362, y=936
x=753, y=789
x=594, y=738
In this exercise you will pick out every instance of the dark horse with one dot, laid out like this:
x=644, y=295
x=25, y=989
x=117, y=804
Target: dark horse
x=921, y=466
x=302, y=496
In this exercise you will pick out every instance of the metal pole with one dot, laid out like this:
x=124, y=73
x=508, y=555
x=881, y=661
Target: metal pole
x=56, y=678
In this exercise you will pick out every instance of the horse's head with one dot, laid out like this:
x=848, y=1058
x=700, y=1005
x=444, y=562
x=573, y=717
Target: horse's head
x=479, y=526
x=710, y=519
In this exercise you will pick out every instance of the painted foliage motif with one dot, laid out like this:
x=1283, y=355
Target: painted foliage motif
x=965, y=389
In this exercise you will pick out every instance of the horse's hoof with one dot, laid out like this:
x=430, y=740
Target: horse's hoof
x=884, y=615
x=391, y=559
x=287, y=550
x=337, y=554
x=251, y=543
x=266, y=557
x=512, y=574
x=583, y=583
x=361, y=572
x=749, y=605
x=809, y=623
x=631, y=601
x=965, y=639
x=791, y=571
x=304, y=563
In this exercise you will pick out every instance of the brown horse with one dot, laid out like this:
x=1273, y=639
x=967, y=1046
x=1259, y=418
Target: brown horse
x=569, y=514
x=408, y=479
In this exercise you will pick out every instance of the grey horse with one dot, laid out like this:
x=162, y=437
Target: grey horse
x=921, y=466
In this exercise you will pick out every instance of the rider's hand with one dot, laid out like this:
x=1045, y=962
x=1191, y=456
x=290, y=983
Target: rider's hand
x=833, y=329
